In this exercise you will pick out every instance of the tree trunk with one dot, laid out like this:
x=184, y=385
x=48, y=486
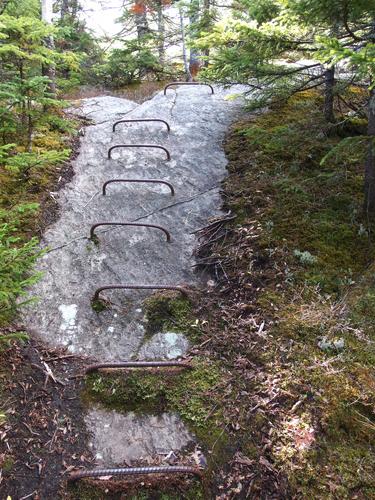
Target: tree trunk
x=49, y=70
x=3, y=6
x=140, y=18
x=194, y=61
x=29, y=126
x=207, y=22
x=75, y=8
x=370, y=160
x=23, y=104
x=329, y=89
x=161, y=33
x=184, y=56
x=64, y=9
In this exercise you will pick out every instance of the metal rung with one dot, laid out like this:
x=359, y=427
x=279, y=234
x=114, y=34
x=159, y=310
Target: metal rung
x=150, y=181
x=137, y=364
x=141, y=120
x=138, y=287
x=187, y=83
x=138, y=146
x=130, y=471
x=93, y=227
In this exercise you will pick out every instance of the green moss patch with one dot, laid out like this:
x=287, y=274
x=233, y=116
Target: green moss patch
x=192, y=393
x=169, y=311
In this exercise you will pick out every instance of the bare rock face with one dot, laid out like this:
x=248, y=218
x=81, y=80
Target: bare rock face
x=167, y=345
x=123, y=438
x=74, y=266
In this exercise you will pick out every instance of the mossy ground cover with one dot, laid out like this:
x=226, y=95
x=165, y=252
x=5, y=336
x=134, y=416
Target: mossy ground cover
x=298, y=270
x=169, y=311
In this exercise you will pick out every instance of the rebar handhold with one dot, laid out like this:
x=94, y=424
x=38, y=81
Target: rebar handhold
x=98, y=224
x=141, y=120
x=149, y=181
x=129, y=471
x=138, y=146
x=137, y=364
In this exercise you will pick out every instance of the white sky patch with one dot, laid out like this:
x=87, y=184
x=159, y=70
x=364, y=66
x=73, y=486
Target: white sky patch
x=101, y=16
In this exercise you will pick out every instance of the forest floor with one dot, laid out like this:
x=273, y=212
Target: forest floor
x=286, y=329
x=292, y=318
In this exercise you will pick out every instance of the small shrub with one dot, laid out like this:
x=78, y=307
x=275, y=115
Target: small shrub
x=17, y=258
x=305, y=258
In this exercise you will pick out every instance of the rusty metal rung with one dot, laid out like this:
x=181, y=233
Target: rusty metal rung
x=138, y=146
x=150, y=181
x=129, y=471
x=137, y=287
x=94, y=226
x=141, y=120
x=137, y=364
x=187, y=83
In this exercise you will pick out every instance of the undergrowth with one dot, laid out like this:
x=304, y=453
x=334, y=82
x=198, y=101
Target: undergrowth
x=298, y=281
x=25, y=179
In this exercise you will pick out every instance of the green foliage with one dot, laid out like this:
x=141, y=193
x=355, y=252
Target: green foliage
x=128, y=64
x=25, y=97
x=7, y=339
x=21, y=163
x=73, y=36
x=17, y=257
x=262, y=11
x=255, y=44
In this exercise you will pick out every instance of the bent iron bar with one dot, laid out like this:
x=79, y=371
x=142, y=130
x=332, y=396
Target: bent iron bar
x=137, y=146
x=129, y=471
x=137, y=364
x=93, y=227
x=138, y=287
x=141, y=120
x=187, y=83
x=151, y=181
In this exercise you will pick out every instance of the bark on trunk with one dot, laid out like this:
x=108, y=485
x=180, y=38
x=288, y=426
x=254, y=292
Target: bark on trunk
x=194, y=60
x=49, y=70
x=74, y=8
x=184, y=55
x=3, y=6
x=141, y=23
x=329, y=88
x=29, y=127
x=140, y=17
x=206, y=15
x=370, y=160
x=64, y=9
x=161, y=33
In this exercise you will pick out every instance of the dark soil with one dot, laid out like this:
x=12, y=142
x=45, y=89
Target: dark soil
x=62, y=175
x=44, y=436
